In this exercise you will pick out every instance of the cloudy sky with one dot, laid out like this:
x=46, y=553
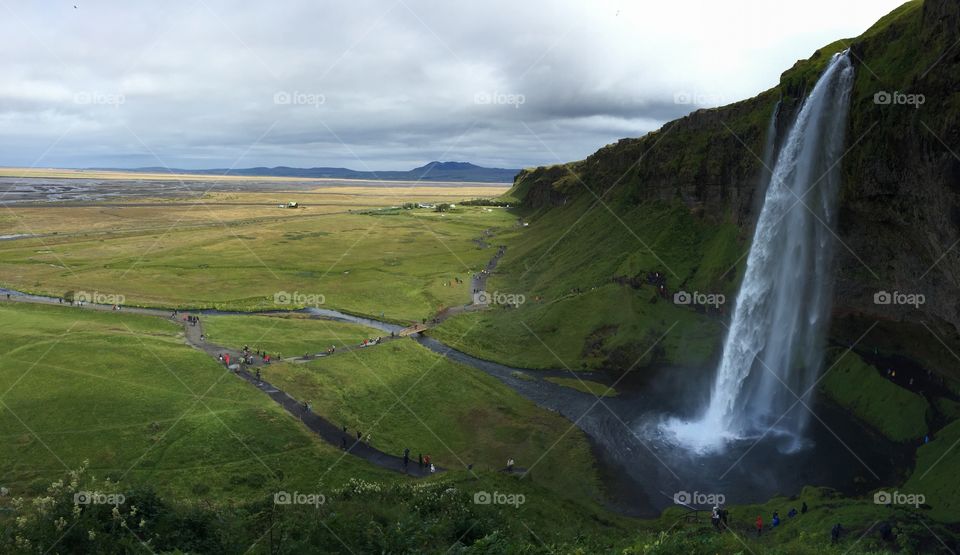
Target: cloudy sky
x=381, y=84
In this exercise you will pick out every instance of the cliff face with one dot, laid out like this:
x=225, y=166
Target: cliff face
x=900, y=205
x=900, y=210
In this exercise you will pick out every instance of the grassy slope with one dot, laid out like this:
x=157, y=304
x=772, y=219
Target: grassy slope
x=896, y=412
x=456, y=414
x=804, y=534
x=126, y=393
x=608, y=324
x=935, y=475
x=586, y=386
x=288, y=335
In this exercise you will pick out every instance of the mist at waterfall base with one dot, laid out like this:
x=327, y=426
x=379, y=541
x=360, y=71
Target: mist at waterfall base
x=773, y=350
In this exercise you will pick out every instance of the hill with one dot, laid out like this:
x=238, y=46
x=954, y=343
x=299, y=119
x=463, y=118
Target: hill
x=433, y=171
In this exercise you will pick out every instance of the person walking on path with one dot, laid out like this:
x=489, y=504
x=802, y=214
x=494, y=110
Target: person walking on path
x=406, y=459
x=421, y=461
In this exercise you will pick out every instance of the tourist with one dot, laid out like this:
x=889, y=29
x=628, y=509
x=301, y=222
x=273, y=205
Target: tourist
x=509, y=465
x=432, y=469
x=420, y=464
x=792, y=513
x=776, y=519
x=759, y=525
x=359, y=435
x=426, y=461
x=803, y=508
x=715, y=517
x=406, y=458
x=835, y=532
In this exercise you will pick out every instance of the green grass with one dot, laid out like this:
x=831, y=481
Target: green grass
x=897, y=413
x=586, y=386
x=126, y=393
x=390, y=266
x=608, y=325
x=935, y=475
x=804, y=534
x=612, y=327
x=290, y=335
x=454, y=413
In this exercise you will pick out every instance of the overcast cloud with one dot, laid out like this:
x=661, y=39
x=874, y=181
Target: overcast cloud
x=381, y=84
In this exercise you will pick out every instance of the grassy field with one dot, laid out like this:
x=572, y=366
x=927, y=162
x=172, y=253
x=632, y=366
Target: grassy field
x=398, y=265
x=127, y=394
x=290, y=335
x=454, y=413
x=203, y=207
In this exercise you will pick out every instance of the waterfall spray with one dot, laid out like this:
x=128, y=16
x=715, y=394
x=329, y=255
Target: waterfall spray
x=773, y=350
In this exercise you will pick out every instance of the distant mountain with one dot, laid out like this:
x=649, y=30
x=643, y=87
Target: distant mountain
x=433, y=171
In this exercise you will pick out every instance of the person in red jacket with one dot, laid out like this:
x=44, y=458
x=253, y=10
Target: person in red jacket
x=759, y=525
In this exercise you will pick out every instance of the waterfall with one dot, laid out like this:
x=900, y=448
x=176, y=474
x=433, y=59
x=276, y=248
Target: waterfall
x=773, y=350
